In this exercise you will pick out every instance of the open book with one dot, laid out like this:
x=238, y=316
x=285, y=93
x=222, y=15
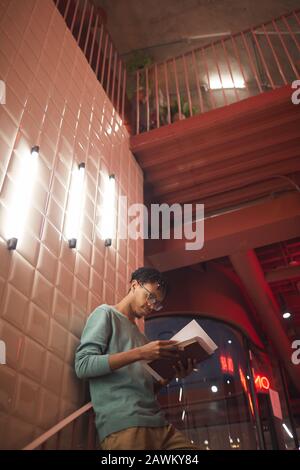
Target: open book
x=193, y=342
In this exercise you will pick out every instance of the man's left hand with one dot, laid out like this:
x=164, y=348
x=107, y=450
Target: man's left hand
x=180, y=371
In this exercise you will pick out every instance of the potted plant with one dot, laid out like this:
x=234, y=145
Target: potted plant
x=138, y=61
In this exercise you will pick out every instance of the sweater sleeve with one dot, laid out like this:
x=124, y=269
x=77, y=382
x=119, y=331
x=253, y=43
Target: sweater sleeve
x=90, y=358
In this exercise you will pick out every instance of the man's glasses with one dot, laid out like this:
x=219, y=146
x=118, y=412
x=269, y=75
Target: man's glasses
x=151, y=299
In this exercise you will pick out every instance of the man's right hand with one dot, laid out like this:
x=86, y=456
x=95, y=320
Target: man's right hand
x=157, y=349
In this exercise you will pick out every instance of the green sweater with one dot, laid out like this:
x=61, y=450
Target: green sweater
x=124, y=397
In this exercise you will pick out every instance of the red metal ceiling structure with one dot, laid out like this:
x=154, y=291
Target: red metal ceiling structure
x=242, y=161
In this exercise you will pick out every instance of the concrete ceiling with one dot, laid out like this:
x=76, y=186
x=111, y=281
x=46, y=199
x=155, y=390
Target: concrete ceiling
x=148, y=24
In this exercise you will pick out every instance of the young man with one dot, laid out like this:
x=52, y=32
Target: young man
x=112, y=347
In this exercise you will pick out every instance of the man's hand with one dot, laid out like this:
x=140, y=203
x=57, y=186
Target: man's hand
x=180, y=371
x=157, y=349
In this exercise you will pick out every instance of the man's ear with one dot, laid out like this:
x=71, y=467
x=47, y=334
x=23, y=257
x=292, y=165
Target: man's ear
x=133, y=286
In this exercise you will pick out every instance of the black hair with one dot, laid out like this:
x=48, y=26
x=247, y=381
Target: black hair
x=151, y=275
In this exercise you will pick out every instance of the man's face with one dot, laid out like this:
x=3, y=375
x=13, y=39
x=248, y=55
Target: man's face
x=141, y=304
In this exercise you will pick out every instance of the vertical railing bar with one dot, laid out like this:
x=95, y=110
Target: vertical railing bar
x=82, y=21
x=99, y=51
x=177, y=89
x=119, y=86
x=290, y=31
x=187, y=85
x=89, y=29
x=295, y=13
x=58, y=440
x=109, y=69
x=114, y=78
x=167, y=91
x=275, y=55
x=237, y=55
x=285, y=48
x=230, y=70
x=67, y=9
x=197, y=82
x=147, y=98
x=137, y=102
x=220, y=76
x=156, y=96
x=90, y=431
x=104, y=59
x=123, y=96
x=251, y=63
x=93, y=40
x=263, y=59
x=74, y=16
x=211, y=95
x=74, y=426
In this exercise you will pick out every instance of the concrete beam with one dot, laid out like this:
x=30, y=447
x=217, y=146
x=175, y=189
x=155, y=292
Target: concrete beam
x=281, y=274
x=247, y=228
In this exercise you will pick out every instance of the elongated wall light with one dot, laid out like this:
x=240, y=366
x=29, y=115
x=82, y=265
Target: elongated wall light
x=21, y=198
x=75, y=204
x=217, y=83
x=108, y=211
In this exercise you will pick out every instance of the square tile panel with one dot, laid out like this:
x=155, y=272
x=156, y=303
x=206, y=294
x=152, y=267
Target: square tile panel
x=47, y=290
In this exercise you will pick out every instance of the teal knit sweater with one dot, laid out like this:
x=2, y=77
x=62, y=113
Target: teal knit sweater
x=124, y=397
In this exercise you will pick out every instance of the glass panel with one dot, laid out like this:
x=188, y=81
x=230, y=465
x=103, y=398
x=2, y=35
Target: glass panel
x=277, y=432
x=213, y=405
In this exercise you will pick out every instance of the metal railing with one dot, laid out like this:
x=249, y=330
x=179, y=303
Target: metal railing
x=77, y=431
x=230, y=69
x=85, y=22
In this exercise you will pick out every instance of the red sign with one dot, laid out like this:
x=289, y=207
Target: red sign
x=227, y=364
x=262, y=383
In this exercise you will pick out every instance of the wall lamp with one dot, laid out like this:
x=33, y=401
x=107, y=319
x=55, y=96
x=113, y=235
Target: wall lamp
x=21, y=198
x=108, y=218
x=74, y=208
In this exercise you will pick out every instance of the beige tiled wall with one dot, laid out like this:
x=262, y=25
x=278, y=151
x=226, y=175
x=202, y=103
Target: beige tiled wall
x=47, y=290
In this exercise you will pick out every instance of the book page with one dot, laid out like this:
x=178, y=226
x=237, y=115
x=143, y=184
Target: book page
x=191, y=330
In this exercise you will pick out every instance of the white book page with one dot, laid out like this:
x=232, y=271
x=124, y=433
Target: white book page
x=192, y=330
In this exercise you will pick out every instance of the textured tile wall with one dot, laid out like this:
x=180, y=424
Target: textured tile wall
x=47, y=290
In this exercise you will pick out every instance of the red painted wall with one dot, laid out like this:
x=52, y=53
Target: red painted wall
x=213, y=293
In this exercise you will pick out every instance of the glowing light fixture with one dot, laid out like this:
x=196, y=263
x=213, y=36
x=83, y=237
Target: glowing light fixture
x=286, y=315
x=226, y=82
x=108, y=211
x=21, y=197
x=287, y=430
x=75, y=204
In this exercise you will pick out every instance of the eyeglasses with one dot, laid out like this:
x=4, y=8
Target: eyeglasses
x=151, y=299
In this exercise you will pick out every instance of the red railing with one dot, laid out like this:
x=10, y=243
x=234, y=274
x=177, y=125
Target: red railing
x=228, y=70
x=86, y=23
x=77, y=431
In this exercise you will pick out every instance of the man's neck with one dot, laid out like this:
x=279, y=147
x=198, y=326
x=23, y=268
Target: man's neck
x=124, y=307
